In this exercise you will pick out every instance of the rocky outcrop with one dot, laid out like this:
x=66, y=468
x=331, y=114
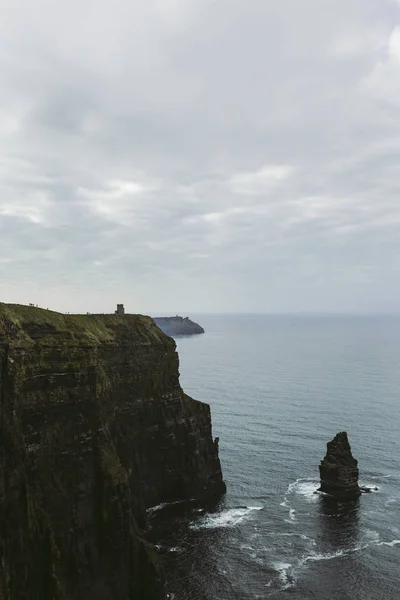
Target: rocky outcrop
x=94, y=429
x=339, y=470
x=178, y=326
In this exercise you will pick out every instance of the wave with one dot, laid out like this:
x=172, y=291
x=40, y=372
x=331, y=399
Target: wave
x=227, y=518
x=163, y=505
x=283, y=569
x=372, y=535
x=306, y=488
x=329, y=556
x=158, y=507
x=392, y=543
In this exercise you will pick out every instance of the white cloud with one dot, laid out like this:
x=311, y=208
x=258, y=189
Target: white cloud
x=394, y=44
x=113, y=190
x=34, y=207
x=259, y=181
x=200, y=155
x=213, y=217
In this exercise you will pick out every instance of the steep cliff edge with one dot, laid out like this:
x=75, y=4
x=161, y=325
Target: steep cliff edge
x=94, y=428
x=178, y=326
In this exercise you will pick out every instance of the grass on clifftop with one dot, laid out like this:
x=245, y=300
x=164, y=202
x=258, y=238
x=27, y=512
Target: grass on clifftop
x=21, y=319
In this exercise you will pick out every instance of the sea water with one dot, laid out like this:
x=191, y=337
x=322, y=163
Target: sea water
x=280, y=387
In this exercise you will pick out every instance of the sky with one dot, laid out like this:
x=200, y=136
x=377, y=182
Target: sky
x=200, y=156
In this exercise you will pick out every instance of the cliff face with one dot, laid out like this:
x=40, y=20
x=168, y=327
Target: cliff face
x=178, y=326
x=94, y=428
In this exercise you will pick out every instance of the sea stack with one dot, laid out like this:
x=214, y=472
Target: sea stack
x=339, y=470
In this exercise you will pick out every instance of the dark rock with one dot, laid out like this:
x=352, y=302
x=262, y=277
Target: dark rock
x=339, y=470
x=368, y=490
x=175, y=326
x=94, y=429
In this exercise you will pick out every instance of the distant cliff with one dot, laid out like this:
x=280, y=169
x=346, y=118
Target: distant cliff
x=94, y=429
x=178, y=326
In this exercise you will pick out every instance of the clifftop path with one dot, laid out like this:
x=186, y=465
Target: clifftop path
x=94, y=429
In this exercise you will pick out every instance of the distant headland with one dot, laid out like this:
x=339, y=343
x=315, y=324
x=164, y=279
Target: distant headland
x=174, y=326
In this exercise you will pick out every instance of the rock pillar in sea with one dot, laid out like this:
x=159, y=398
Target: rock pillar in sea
x=339, y=470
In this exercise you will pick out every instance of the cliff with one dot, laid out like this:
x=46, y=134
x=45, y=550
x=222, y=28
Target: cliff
x=178, y=326
x=339, y=470
x=94, y=428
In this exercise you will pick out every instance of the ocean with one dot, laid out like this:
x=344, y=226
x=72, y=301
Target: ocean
x=281, y=387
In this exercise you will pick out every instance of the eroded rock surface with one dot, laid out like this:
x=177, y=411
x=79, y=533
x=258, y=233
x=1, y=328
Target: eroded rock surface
x=339, y=470
x=94, y=429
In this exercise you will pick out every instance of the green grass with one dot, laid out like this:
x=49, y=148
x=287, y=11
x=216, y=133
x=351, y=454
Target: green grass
x=16, y=320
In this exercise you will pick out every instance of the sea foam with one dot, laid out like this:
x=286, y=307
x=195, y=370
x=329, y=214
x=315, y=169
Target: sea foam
x=227, y=518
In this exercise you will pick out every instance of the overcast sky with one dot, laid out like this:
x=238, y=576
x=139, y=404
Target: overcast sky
x=200, y=155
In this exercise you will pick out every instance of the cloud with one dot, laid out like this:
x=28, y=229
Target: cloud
x=394, y=44
x=259, y=182
x=176, y=155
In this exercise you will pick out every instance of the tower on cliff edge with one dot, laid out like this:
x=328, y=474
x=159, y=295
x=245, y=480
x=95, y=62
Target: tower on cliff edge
x=120, y=309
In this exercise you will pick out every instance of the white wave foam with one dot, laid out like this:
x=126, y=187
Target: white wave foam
x=372, y=535
x=305, y=488
x=158, y=507
x=392, y=543
x=284, y=576
x=315, y=556
x=246, y=547
x=227, y=518
x=292, y=516
x=165, y=504
x=282, y=568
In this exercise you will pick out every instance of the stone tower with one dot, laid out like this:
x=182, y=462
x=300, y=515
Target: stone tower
x=120, y=309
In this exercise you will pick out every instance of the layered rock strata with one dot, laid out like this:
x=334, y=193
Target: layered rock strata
x=339, y=470
x=178, y=326
x=94, y=429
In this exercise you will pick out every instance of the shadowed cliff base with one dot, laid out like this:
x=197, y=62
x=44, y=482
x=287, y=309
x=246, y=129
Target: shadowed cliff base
x=94, y=429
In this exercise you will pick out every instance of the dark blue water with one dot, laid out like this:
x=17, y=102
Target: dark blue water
x=279, y=389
